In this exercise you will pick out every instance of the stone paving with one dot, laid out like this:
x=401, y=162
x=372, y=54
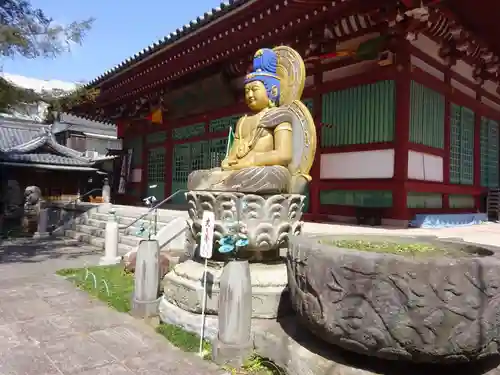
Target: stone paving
x=49, y=327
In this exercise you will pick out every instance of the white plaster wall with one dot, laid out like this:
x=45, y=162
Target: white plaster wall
x=490, y=104
x=425, y=167
x=421, y=64
x=462, y=88
x=465, y=70
x=426, y=45
x=356, y=165
x=136, y=175
x=491, y=88
x=348, y=71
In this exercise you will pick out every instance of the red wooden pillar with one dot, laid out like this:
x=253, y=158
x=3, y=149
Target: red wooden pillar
x=477, y=154
x=447, y=139
x=314, y=192
x=402, y=132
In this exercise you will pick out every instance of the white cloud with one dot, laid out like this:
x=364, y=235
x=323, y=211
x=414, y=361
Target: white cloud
x=38, y=85
x=34, y=111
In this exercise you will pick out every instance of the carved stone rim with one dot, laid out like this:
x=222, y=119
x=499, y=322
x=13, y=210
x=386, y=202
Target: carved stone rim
x=489, y=252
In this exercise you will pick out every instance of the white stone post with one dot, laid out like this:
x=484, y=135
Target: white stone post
x=42, y=221
x=234, y=342
x=111, y=242
x=106, y=192
x=145, y=299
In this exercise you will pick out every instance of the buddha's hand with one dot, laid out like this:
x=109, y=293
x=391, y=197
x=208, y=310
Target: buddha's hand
x=246, y=162
x=228, y=163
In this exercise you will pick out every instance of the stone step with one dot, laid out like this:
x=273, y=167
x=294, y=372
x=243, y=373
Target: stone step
x=130, y=240
x=135, y=212
x=122, y=220
x=97, y=242
x=131, y=231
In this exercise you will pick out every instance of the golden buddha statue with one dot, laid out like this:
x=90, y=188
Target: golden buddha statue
x=274, y=147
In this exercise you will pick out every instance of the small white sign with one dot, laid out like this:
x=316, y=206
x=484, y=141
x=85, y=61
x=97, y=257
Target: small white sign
x=207, y=235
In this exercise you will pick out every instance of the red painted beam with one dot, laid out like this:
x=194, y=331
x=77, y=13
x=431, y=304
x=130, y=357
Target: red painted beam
x=205, y=56
x=248, y=35
x=439, y=187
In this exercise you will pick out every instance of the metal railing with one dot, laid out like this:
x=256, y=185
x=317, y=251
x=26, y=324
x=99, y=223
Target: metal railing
x=153, y=208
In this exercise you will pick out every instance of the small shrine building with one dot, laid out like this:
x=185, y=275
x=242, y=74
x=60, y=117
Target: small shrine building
x=31, y=156
x=405, y=96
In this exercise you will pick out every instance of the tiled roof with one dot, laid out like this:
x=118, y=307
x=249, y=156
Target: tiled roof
x=69, y=118
x=191, y=27
x=11, y=137
x=43, y=158
x=22, y=142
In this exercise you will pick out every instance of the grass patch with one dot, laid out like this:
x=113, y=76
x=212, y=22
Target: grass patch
x=114, y=286
x=110, y=284
x=187, y=341
x=405, y=249
x=257, y=365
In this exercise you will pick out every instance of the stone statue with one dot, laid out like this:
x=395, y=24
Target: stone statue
x=260, y=182
x=32, y=198
x=274, y=147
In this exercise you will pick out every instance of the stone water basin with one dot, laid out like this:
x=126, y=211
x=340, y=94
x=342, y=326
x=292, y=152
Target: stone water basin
x=411, y=298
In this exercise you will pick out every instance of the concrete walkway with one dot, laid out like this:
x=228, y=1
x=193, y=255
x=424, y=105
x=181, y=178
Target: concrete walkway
x=47, y=326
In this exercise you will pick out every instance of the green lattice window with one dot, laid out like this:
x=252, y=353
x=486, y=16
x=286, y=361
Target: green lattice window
x=199, y=155
x=158, y=137
x=135, y=144
x=156, y=172
x=461, y=201
x=217, y=151
x=426, y=116
x=489, y=153
x=189, y=131
x=461, y=145
x=180, y=170
x=223, y=123
x=357, y=198
x=359, y=115
x=188, y=157
x=424, y=200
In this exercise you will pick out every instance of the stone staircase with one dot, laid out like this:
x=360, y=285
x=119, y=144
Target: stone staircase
x=90, y=228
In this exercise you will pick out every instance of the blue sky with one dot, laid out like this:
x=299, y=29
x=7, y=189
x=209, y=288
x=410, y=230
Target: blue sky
x=122, y=28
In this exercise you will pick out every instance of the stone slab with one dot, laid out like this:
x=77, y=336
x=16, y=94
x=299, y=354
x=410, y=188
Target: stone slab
x=183, y=287
x=172, y=314
x=124, y=342
x=49, y=327
x=78, y=353
x=27, y=361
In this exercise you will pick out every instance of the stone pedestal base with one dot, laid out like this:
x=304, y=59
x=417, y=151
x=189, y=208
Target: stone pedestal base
x=183, y=287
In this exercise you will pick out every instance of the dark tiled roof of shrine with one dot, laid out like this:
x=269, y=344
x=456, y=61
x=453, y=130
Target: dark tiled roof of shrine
x=191, y=27
x=13, y=133
x=25, y=142
x=44, y=158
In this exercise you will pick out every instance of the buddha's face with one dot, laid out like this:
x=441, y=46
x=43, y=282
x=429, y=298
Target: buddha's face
x=256, y=96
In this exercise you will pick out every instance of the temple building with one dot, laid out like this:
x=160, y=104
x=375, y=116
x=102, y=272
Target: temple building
x=404, y=95
x=31, y=156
